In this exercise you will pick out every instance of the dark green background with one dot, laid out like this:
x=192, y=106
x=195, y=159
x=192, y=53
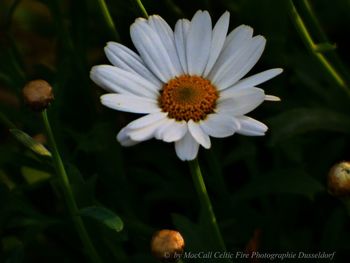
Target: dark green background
x=274, y=184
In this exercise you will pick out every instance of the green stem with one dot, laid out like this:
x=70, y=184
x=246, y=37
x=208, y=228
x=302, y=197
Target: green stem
x=319, y=33
x=205, y=202
x=108, y=18
x=68, y=194
x=142, y=8
x=308, y=11
x=312, y=46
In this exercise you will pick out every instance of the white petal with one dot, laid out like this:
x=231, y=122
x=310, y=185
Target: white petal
x=241, y=102
x=152, y=50
x=235, y=42
x=187, y=148
x=251, y=127
x=145, y=127
x=181, y=31
x=237, y=37
x=117, y=80
x=257, y=79
x=172, y=131
x=128, y=60
x=242, y=63
x=124, y=138
x=272, y=98
x=146, y=120
x=198, y=134
x=159, y=133
x=218, y=40
x=220, y=125
x=166, y=35
x=198, y=43
x=129, y=103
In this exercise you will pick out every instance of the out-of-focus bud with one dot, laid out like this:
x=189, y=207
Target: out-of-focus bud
x=167, y=245
x=339, y=179
x=253, y=246
x=38, y=94
x=40, y=138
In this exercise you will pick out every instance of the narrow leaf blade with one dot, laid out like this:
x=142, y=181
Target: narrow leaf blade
x=30, y=143
x=104, y=216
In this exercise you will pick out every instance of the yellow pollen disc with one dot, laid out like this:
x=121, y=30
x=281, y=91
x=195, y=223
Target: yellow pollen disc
x=188, y=98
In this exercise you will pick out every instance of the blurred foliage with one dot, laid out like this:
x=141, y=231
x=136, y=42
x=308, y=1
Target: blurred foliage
x=274, y=184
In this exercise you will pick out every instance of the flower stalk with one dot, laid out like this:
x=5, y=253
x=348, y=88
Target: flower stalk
x=108, y=19
x=314, y=23
x=68, y=194
x=142, y=8
x=205, y=202
x=315, y=48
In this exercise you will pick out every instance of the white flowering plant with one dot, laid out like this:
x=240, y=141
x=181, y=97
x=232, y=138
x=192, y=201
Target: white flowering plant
x=174, y=131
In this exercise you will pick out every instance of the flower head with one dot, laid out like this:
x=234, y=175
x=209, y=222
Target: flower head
x=188, y=82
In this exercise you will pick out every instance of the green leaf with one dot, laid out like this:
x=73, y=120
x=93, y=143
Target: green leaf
x=33, y=176
x=302, y=120
x=30, y=143
x=104, y=216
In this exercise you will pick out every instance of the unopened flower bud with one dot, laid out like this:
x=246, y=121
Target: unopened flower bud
x=339, y=179
x=38, y=94
x=167, y=245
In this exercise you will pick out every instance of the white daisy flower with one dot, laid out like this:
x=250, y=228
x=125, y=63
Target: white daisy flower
x=188, y=82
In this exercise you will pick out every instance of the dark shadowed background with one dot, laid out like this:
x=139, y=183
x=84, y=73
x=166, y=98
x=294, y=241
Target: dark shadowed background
x=269, y=193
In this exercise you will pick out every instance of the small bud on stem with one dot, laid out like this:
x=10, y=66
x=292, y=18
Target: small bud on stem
x=339, y=180
x=38, y=94
x=167, y=245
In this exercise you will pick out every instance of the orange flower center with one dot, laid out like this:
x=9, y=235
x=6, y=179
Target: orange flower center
x=188, y=98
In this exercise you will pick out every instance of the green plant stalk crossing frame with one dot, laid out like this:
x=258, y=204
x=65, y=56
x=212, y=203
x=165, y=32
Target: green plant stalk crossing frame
x=142, y=8
x=108, y=18
x=314, y=48
x=205, y=202
x=68, y=194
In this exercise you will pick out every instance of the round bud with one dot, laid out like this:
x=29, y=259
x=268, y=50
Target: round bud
x=167, y=245
x=339, y=179
x=38, y=94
